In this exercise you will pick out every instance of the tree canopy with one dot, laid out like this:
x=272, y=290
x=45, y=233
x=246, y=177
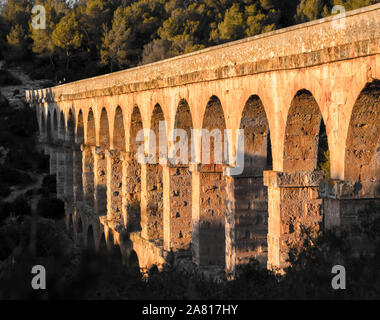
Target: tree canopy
x=88, y=37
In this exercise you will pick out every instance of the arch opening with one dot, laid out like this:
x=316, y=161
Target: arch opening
x=55, y=125
x=62, y=127
x=77, y=158
x=152, y=215
x=42, y=123
x=362, y=158
x=180, y=184
x=71, y=127
x=363, y=139
x=115, y=168
x=100, y=165
x=119, y=132
x=304, y=131
x=104, y=137
x=212, y=185
x=49, y=131
x=90, y=136
x=133, y=176
x=252, y=220
x=80, y=129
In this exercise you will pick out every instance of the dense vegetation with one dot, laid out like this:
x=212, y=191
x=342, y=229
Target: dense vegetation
x=89, y=37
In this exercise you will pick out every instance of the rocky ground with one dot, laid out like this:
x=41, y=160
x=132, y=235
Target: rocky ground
x=16, y=93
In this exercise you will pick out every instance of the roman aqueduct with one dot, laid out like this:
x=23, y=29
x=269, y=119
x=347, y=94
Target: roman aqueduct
x=291, y=90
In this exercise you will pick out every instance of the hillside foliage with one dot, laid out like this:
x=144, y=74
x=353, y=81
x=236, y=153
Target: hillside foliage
x=84, y=38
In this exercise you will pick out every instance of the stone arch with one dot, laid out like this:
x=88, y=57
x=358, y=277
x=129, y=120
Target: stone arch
x=213, y=119
x=49, y=131
x=152, y=212
x=118, y=130
x=80, y=129
x=55, y=124
x=132, y=215
x=90, y=238
x=257, y=146
x=362, y=153
x=77, y=158
x=184, y=121
x=158, y=117
x=62, y=127
x=42, y=123
x=104, y=130
x=91, y=132
x=115, y=169
x=70, y=127
x=100, y=165
x=88, y=160
x=69, y=159
x=211, y=183
x=250, y=201
x=178, y=194
x=304, y=132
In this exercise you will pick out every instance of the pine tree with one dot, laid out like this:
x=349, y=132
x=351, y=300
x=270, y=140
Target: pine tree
x=43, y=44
x=67, y=35
x=114, y=51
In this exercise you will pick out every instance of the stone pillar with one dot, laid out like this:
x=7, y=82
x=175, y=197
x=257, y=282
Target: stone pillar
x=88, y=175
x=246, y=220
x=100, y=181
x=131, y=191
x=152, y=203
x=61, y=158
x=52, y=160
x=114, y=185
x=294, y=208
x=208, y=215
x=177, y=199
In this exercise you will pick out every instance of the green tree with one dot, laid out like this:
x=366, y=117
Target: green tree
x=93, y=16
x=114, y=51
x=67, y=36
x=133, y=27
x=43, y=44
x=309, y=10
x=354, y=4
x=17, y=40
x=232, y=26
x=187, y=27
x=15, y=16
